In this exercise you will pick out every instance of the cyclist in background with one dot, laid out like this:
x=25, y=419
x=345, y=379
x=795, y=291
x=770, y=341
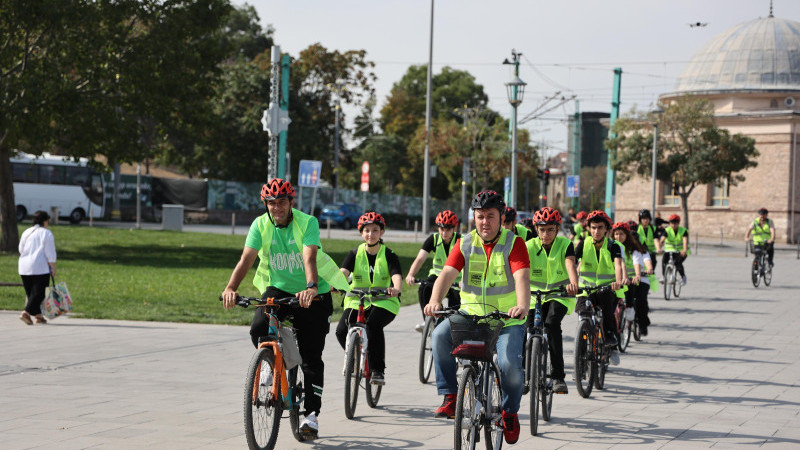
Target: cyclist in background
x=553, y=265
x=440, y=244
x=648, y=235
x=763, y=231
x=637, y=266
x=373, y=265
x=494, y=247
x=675, y=243
x=510, y=224
x=601, y=264
x=579, y=231
x=286, y=242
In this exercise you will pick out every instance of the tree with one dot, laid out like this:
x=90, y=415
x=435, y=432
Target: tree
x=86, y=78
x=692, y=150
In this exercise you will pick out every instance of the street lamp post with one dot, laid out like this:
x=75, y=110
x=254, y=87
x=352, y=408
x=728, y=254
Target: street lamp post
x=516, y=90
x=426, y=171
x=656, y=117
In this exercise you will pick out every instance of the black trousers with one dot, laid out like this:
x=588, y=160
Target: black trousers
x=424, y=295
x=642, y=308
x=377, y=319
x=311, y=325
x=770, y=248
x=678, y=262
x=34, y=291
x=553, y=313
x=608, y=304
x=654, y=260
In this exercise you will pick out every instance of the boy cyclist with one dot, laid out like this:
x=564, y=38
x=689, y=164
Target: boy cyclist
x=763, y=231
x=510, y=224
x=579, y=231
x=440, y=244
x=373, y=265
x=675, y=243
x=553, y=265
x=648, y=235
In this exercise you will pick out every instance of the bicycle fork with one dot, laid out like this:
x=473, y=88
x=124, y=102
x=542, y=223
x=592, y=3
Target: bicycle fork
x=280, y=384
x=360, y=330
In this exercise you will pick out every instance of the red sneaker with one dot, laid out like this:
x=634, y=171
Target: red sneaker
x=448, y=408
x=510, y=427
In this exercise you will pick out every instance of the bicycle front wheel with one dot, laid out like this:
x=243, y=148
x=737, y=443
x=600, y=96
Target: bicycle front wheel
x=262, y=415
x=584, y=371
x=676, y=284
x=535, y=373
x=297, y=381
x=546, y=383
x=426, y=351
x=637, y=335
x=767, y=274
x=625, y=335
x=466, y=425
x=373, y=393
x=755, y=272
x=352, y=376
x=669, y=278
x=492, y=424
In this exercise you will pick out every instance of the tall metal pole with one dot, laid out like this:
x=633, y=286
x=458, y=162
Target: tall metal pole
x=336, y=150
x=576, y=149
x=274, y=99
x=284, y=171
x=514, y=105
x=426, y=183
x=138, y=196
x=610, y=174
x=655, y=161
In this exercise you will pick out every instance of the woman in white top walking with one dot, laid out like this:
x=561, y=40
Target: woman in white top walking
x=37, y=261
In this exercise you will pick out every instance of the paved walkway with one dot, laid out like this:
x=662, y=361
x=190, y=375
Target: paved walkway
x=720, y=368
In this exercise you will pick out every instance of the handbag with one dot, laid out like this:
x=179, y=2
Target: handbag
x=57, y=300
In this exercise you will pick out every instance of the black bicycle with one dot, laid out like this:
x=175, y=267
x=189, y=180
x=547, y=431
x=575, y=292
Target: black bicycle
x=761, y=270
x=425, y=345
x=591, y=352
x=537, y=373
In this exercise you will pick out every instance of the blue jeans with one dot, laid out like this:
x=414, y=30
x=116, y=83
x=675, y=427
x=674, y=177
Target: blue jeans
x=509, y=360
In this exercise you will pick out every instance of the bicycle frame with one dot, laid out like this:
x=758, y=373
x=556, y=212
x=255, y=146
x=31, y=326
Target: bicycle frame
x=280, y=380
x=359, y=328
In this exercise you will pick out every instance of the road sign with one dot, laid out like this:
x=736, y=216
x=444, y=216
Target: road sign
x=507, y=189
x=275, y=119
x=365, y=176
x=365, y=167
x=309, y=173
x=573, y=185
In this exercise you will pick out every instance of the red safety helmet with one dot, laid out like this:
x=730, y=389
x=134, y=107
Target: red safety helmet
x=674, y=218
x=621, y=225
x=632, y=224
x=446, y=219
x=371, y=217
x=275, y=189
x=596, y=215
x=547, y=216
x=509, y=214
x=581, y=215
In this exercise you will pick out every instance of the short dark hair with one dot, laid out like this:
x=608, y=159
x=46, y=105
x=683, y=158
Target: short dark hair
x=39, y=217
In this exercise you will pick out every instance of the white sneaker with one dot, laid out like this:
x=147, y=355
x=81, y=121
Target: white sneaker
x=683, y=281
x=310, y=426
x=613, y=358
x=419, y=327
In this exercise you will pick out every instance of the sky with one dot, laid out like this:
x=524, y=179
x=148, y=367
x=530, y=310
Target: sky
x=568, y=46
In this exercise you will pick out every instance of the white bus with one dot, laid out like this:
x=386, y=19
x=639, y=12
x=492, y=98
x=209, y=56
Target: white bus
x=47, y=181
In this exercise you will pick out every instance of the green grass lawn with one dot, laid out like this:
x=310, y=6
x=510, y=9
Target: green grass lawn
x=160, y=275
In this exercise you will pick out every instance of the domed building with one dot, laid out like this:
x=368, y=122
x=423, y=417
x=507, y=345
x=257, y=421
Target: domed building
x=751, y=75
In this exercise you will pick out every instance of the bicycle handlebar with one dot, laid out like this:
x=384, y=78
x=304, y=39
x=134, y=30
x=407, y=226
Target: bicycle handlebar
x=604, y=289
x=244, y=302
x=559, y=290
x=418, y=282
x=372, y=292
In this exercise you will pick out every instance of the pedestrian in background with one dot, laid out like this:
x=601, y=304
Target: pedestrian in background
x=37, y=262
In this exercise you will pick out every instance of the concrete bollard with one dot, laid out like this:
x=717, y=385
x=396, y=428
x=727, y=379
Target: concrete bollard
x=233, y=223
x=54, y=215
x=329, y=227
x=416, y=223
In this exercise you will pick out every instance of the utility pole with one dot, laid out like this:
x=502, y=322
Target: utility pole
x=426, y=172
x=576, y=149
x=284, y=171
x=515, y=90
x=336, y=148
x=610, y=173
x=275, y=120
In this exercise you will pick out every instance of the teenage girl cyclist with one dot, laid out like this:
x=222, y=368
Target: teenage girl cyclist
x=675, y=243
x=553, y=265
x=636, y=259
x=648, y=234
x=373, y=266
x=579, y=228
x=510, y=224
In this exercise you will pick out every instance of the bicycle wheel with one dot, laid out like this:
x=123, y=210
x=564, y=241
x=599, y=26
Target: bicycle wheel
x=492, y=425
x=526, y=365
x=755, y=272
x=466, y=420
x=546, y=394
x=535, y=373
x=767, y=274
x=637, y=335
x=352, y=376
x=624, y=335
x=669, y=273
x=297, y=381
x=600, y=377
x=584, y=370
x=426, y=351
x=262, y=415
x=373, y=393
x=600, y=364
x=676, y=284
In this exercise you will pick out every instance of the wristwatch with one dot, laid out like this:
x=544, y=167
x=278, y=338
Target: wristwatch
x=312, y=285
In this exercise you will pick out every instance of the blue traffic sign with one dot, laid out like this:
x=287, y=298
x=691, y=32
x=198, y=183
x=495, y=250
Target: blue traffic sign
x=573, y=185
x=309, y=173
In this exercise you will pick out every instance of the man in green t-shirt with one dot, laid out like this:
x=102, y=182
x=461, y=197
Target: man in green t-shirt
x=286, y=241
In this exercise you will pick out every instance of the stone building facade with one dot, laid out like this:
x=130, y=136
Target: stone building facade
x=751, y=74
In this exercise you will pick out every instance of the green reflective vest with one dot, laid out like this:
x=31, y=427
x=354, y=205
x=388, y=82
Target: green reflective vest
x=521, y=231
x=381, y=278
x=594, y=272
x=439, y=256
x=549, y=270
x=627, y=260
x=327, y=270
x=580, y=233
x=647, y=237
x=488, y=285
x=761, y=233
x=674, y=240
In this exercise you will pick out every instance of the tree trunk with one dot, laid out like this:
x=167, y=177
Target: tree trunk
x=685, y=209
x=8, y=210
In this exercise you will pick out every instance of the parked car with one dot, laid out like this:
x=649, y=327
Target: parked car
x=344, y=215
x=523, y=215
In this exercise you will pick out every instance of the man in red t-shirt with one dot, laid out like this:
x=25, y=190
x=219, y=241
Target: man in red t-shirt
x=489, y=246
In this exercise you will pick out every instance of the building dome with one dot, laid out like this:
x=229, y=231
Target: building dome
x=761, y=55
